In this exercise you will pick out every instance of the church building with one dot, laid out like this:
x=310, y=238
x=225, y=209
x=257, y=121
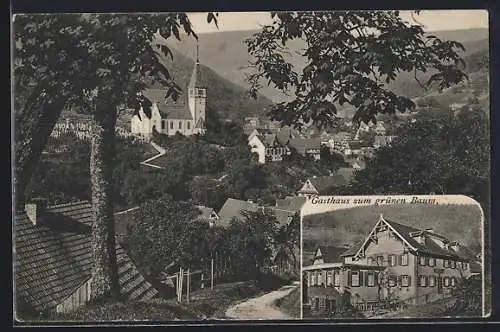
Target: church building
x=185, y=116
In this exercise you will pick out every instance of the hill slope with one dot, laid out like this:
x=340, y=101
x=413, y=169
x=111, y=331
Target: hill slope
x=347, y=226
x=226, y=53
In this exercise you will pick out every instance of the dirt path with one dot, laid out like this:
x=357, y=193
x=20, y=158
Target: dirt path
x=261, y=307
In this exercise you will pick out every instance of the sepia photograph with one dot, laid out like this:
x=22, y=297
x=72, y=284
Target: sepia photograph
x=386, y=257
x=162, y=161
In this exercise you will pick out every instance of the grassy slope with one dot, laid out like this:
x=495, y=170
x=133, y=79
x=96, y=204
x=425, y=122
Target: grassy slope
x=290, y=304
x=457, y=222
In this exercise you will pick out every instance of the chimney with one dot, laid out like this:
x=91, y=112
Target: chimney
x=429, y=230
x=346, y=245
x=35, y=210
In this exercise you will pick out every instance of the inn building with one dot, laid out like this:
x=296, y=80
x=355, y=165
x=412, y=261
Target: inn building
x=395, y=263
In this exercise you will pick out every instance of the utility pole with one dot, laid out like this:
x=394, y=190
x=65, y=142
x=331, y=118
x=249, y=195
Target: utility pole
x=188, y=279
x=212, y=274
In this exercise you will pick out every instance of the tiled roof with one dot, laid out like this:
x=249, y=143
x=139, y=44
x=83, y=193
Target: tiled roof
x=291, y=203
x=233, y=208
x=198, y=79
x=169, y=109
x=332, y=254
x=429, y=247
x=53, y=258
x=325, y=184
x=303, y=144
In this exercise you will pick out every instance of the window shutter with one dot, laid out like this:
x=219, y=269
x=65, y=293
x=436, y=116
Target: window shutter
x=409, y=281
x=400, y=280
x=426, y=280
x=361, y=278
x=375, y=277
x=400, y=259
x=349, y=278
x=427, y=261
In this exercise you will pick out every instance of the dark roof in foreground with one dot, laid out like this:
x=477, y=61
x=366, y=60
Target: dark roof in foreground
x=53, y=259
x=429, y=247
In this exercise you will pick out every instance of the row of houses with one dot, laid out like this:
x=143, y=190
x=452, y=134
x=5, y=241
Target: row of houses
x=275, y=143
x=394, y=263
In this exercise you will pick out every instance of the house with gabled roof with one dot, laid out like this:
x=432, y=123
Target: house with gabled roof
x=185, y=116
x=53, y=260
x=394, y=262
x=268, y=148
x=326, y=185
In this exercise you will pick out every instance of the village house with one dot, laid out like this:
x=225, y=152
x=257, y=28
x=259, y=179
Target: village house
x=339, y=142
x=382, y=140
x=326, y=185
x=397, y=263
x=268, y=148
x=234, y=208
x=53, y=260
x=185, y=116
x=307, y=147
x=209, y=214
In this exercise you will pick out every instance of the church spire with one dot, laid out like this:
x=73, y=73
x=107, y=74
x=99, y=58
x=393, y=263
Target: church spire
x=197, y=81
x=197, y=52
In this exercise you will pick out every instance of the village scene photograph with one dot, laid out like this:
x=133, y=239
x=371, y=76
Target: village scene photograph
x=161, y=161
x=383, y=257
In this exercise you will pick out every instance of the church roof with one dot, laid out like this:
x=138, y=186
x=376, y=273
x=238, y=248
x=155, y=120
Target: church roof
x=169, y=109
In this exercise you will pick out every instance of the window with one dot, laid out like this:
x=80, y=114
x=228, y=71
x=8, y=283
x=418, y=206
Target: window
x=171, y=124
x=445, y=263
x=370, y=261
x=466, y=265
x=422, y=281
x=380, y=260
x=189, y=125
x=320, y=279
x=355, y=279
x=453, y=264
x=404, y=259
x=392, y=260
x=392, y=280
x=162, y=124
x=446, y=282
x=422, y=260
x=336, y=278
x=453, y=282
x=329, y=278
x=432, y=261
x=432, y=281
x=405, y=280
x=371, y=279
x=180, y=124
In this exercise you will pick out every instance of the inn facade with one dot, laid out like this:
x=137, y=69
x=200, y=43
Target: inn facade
x=395, y=264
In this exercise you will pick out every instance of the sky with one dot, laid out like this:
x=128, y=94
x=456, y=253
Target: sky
x=433, y=20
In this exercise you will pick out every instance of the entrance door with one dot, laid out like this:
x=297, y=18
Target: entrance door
x=440, y=284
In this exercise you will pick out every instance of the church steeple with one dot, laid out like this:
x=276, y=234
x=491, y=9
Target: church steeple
x=196, y=77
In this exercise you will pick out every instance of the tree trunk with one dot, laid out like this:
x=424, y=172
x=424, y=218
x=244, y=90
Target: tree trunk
x=104, y=270
x=32, y=127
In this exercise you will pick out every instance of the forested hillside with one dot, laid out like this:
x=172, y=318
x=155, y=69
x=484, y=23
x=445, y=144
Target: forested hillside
x=347, y=226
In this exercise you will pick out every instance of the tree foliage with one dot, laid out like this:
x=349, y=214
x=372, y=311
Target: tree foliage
x=351, y=57
x=441, y=152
